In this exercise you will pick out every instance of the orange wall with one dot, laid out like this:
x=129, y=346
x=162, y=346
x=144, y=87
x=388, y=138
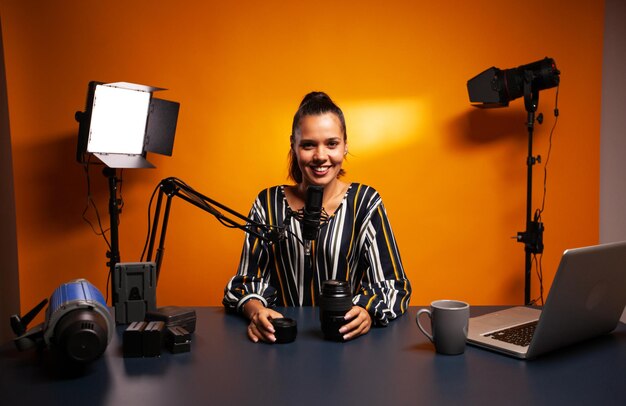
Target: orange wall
x=453, y=178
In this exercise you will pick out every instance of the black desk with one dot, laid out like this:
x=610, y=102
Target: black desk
x=395, y=365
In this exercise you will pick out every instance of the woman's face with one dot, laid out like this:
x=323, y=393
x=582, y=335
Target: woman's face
x=320, y=148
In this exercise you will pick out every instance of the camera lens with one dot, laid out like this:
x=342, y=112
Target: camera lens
x=335, y=301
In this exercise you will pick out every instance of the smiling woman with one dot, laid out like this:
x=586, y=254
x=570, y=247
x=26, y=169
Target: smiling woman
x=355, y=242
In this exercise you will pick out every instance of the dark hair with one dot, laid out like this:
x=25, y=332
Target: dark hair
x=313, y=104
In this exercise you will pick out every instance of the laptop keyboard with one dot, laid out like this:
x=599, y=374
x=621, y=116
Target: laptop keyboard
x=519, y=335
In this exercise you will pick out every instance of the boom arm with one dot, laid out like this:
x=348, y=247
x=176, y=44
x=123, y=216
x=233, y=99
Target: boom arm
x=171, y=187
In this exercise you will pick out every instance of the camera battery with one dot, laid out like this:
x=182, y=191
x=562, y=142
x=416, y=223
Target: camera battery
x=132, y=339
x=177, y=340
x=134, y=292
x=152, y=339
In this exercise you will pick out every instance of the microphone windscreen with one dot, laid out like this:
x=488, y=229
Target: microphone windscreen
x=312, y=212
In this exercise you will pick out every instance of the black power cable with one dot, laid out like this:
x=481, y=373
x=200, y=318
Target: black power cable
x=539, y=212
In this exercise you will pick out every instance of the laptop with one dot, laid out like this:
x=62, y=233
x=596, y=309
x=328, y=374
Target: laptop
x=586, y=300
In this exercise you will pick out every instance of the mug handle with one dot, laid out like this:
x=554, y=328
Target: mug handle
x=417, y=321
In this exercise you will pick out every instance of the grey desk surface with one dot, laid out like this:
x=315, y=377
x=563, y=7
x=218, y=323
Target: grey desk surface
x=395, y=365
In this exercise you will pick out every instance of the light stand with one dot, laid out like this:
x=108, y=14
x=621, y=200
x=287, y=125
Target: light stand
x=114, y=216
x=121, y=123
x=533, y=236
x=496, y=88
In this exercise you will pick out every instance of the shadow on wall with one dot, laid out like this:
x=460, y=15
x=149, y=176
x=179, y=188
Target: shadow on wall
x=494, y=143
x=61, y=184
x=9, y=275
x=477, y=127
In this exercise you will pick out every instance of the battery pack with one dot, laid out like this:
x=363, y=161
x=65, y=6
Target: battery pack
x=134, y=292
x=132, y=345
x=153, y=338
x=177, y=340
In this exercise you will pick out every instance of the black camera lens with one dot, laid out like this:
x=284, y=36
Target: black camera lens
x=285, y=330
x=335, y=301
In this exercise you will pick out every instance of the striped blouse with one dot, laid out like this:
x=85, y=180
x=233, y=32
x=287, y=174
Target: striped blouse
x=355, y=244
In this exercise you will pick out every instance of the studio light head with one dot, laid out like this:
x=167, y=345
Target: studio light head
x=78, y=323
x=497, y=87
x=122, y=122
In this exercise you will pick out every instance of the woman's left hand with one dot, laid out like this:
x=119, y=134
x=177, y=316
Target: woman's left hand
x=359, y=323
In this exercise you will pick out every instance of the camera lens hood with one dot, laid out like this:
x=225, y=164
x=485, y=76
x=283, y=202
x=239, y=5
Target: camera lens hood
x=285, y=329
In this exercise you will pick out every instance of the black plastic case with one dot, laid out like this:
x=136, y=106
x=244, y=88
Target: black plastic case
x=174, y=316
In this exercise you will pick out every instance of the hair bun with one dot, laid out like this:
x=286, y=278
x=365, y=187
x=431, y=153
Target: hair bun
x=316, y=97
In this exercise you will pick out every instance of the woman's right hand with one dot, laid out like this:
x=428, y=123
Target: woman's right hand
x=260, y=327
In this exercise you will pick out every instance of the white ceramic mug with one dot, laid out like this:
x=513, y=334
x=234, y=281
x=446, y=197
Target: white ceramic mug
x=449, y=320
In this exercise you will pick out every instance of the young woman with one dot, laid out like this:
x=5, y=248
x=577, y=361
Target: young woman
x=355, y=241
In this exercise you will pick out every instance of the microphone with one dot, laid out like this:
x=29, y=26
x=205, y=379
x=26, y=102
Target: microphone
x=312, y=215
